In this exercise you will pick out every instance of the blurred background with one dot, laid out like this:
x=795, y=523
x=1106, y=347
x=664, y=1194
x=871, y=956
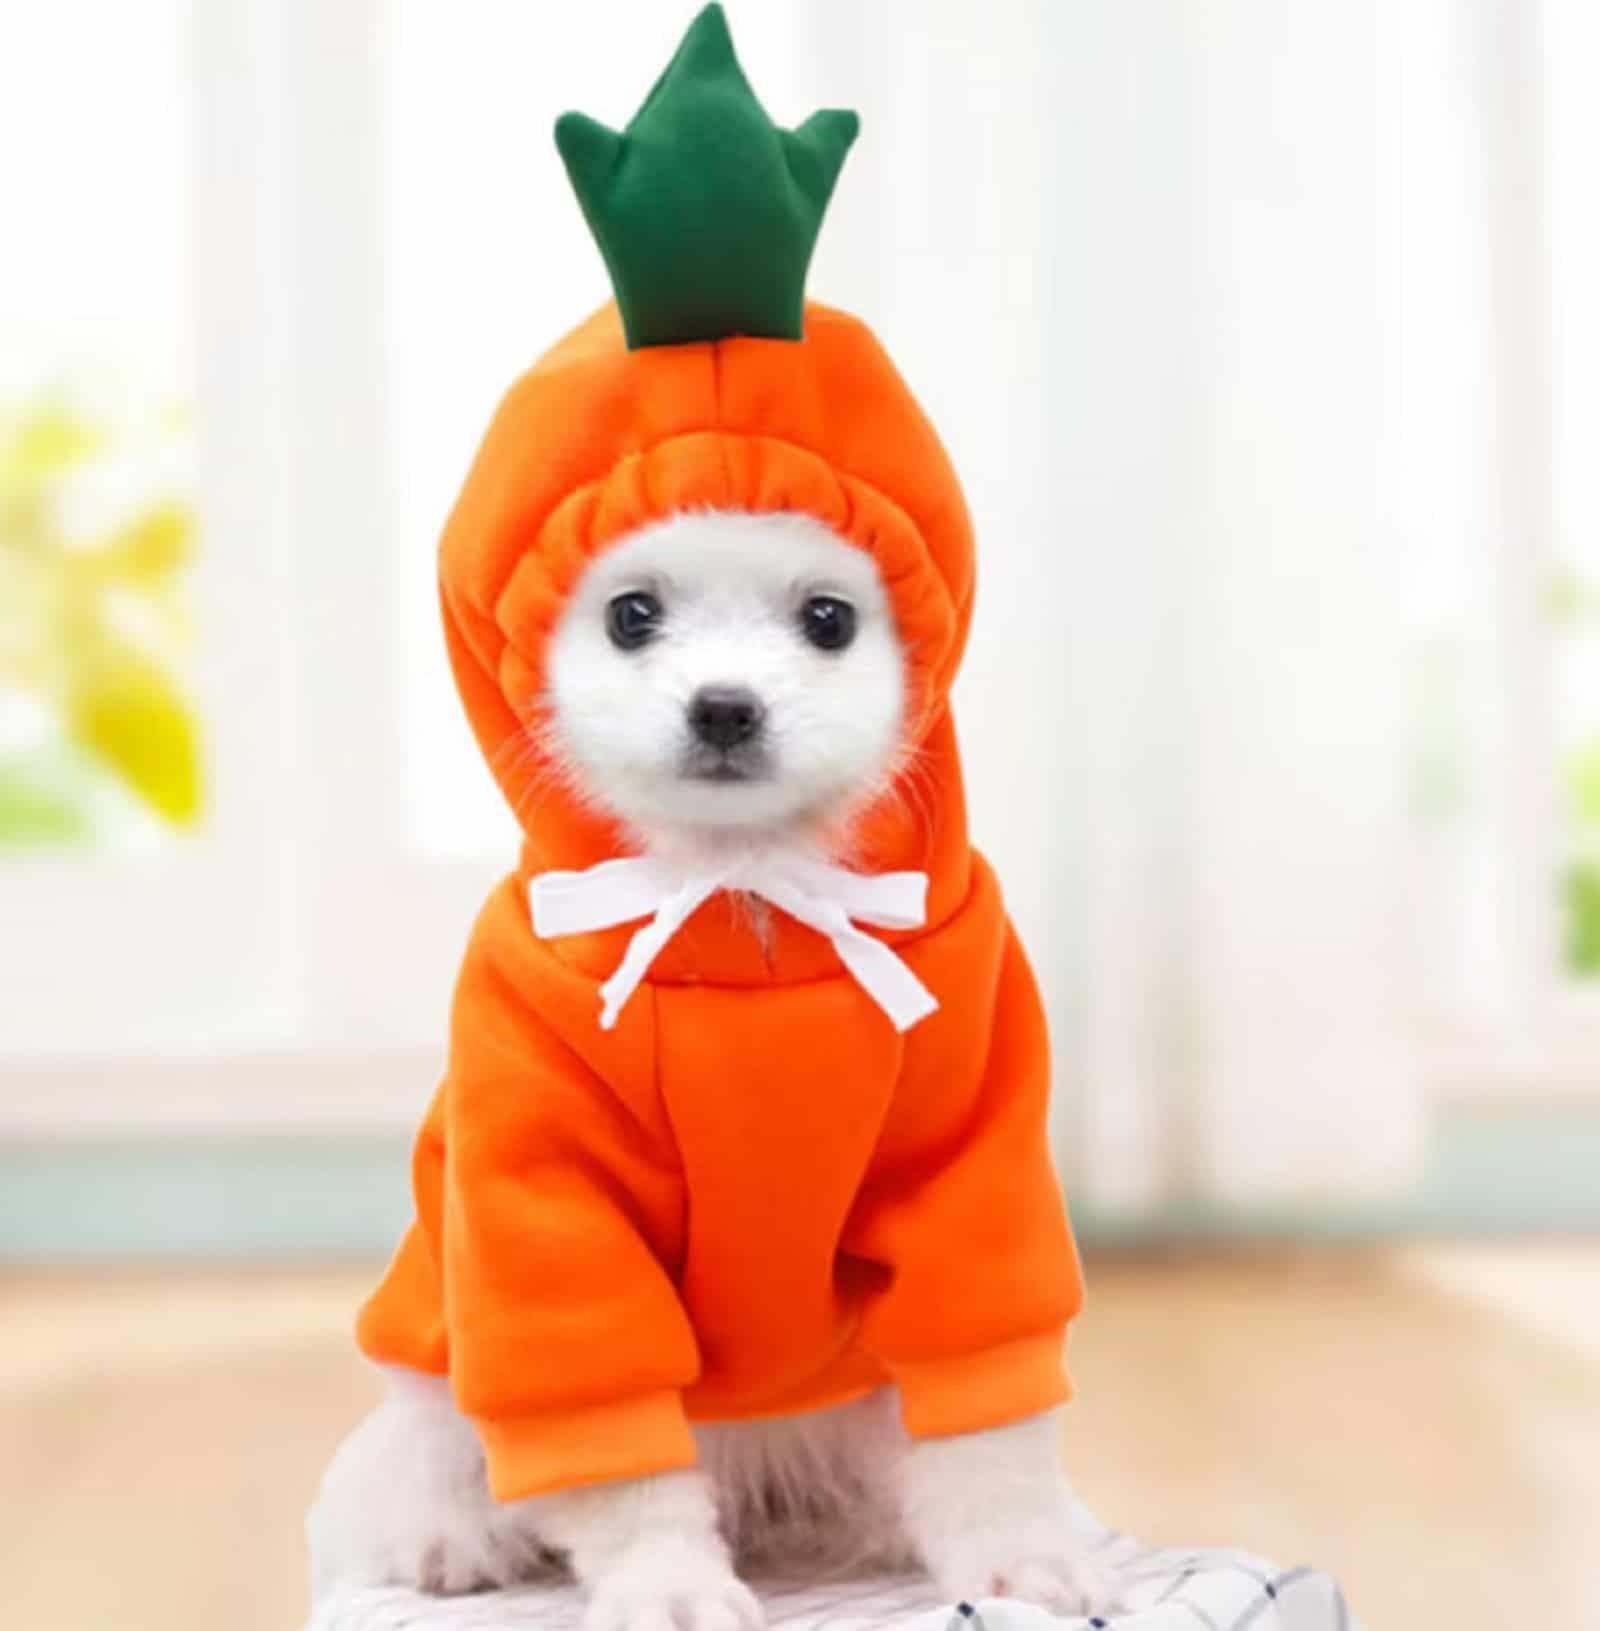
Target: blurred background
x=1266, y=338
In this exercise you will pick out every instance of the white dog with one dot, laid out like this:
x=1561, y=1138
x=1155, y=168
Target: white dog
x=718, y=681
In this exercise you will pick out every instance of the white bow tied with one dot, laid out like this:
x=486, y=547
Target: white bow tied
x=822, y=896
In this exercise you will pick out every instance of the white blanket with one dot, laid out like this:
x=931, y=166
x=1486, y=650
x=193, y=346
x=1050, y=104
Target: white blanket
x=1167, y=1589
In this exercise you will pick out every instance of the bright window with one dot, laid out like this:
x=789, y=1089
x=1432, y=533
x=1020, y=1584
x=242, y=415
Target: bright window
x=99, y=730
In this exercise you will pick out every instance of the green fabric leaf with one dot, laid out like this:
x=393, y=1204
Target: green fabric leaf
x=705, y=211
x=816, y=152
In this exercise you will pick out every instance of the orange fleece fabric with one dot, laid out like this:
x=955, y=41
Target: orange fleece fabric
x=752, y=1197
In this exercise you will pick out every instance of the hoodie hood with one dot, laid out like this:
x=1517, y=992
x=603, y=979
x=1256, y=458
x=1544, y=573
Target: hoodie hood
x=607, y=433
x=596, y=441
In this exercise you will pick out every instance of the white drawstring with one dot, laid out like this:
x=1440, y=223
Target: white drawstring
x=822, y=896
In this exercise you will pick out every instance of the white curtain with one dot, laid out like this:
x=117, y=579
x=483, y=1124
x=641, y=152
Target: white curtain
x=1140, y=262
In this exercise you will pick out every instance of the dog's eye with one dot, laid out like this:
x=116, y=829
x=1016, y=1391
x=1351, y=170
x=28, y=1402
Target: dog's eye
x=632, y=619
x=828, y=622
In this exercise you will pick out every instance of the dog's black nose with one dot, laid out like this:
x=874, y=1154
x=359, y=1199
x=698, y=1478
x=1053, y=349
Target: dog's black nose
x=723, y=716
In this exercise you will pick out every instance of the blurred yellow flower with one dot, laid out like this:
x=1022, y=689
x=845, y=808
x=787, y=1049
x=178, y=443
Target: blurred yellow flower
x=94, y=543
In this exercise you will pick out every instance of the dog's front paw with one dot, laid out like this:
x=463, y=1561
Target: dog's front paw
x=672, y=1583
x=405, y=1502
x=1039, y=1562
x=991, y=1515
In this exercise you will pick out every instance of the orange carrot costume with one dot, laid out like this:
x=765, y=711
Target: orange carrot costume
x=754, y=1195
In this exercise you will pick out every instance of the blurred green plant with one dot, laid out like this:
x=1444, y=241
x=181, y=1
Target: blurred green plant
x=93, y=629
x=1572, y=605
x=1580, y=881
x=1580, y=892
x=1569, y=600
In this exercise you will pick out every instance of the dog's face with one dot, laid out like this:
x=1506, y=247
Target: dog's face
x=722, y=674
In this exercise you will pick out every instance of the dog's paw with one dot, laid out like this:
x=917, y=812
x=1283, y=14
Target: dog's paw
x=991, y=1514
x=405, y=1502
x=1038, y=1563
x=445, y=1546
x=671, y=1583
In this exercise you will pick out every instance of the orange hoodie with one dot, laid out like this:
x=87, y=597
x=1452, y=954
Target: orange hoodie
x=753, y=1196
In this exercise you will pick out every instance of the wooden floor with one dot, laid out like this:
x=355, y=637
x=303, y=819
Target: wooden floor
x=1424, y=1423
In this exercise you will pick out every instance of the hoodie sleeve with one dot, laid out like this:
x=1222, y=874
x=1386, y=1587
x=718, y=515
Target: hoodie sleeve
x=569, y=1346
x=968, y=1221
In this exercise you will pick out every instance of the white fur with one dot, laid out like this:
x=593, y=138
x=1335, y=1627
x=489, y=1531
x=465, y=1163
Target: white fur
x=732, y=586
x=406, y=1498
x=651, y=1554
x=406, y=1501
x=990, y=1515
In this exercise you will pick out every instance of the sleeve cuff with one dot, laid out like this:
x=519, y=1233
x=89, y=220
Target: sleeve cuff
x=535, y=1455
x=966, y=1394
